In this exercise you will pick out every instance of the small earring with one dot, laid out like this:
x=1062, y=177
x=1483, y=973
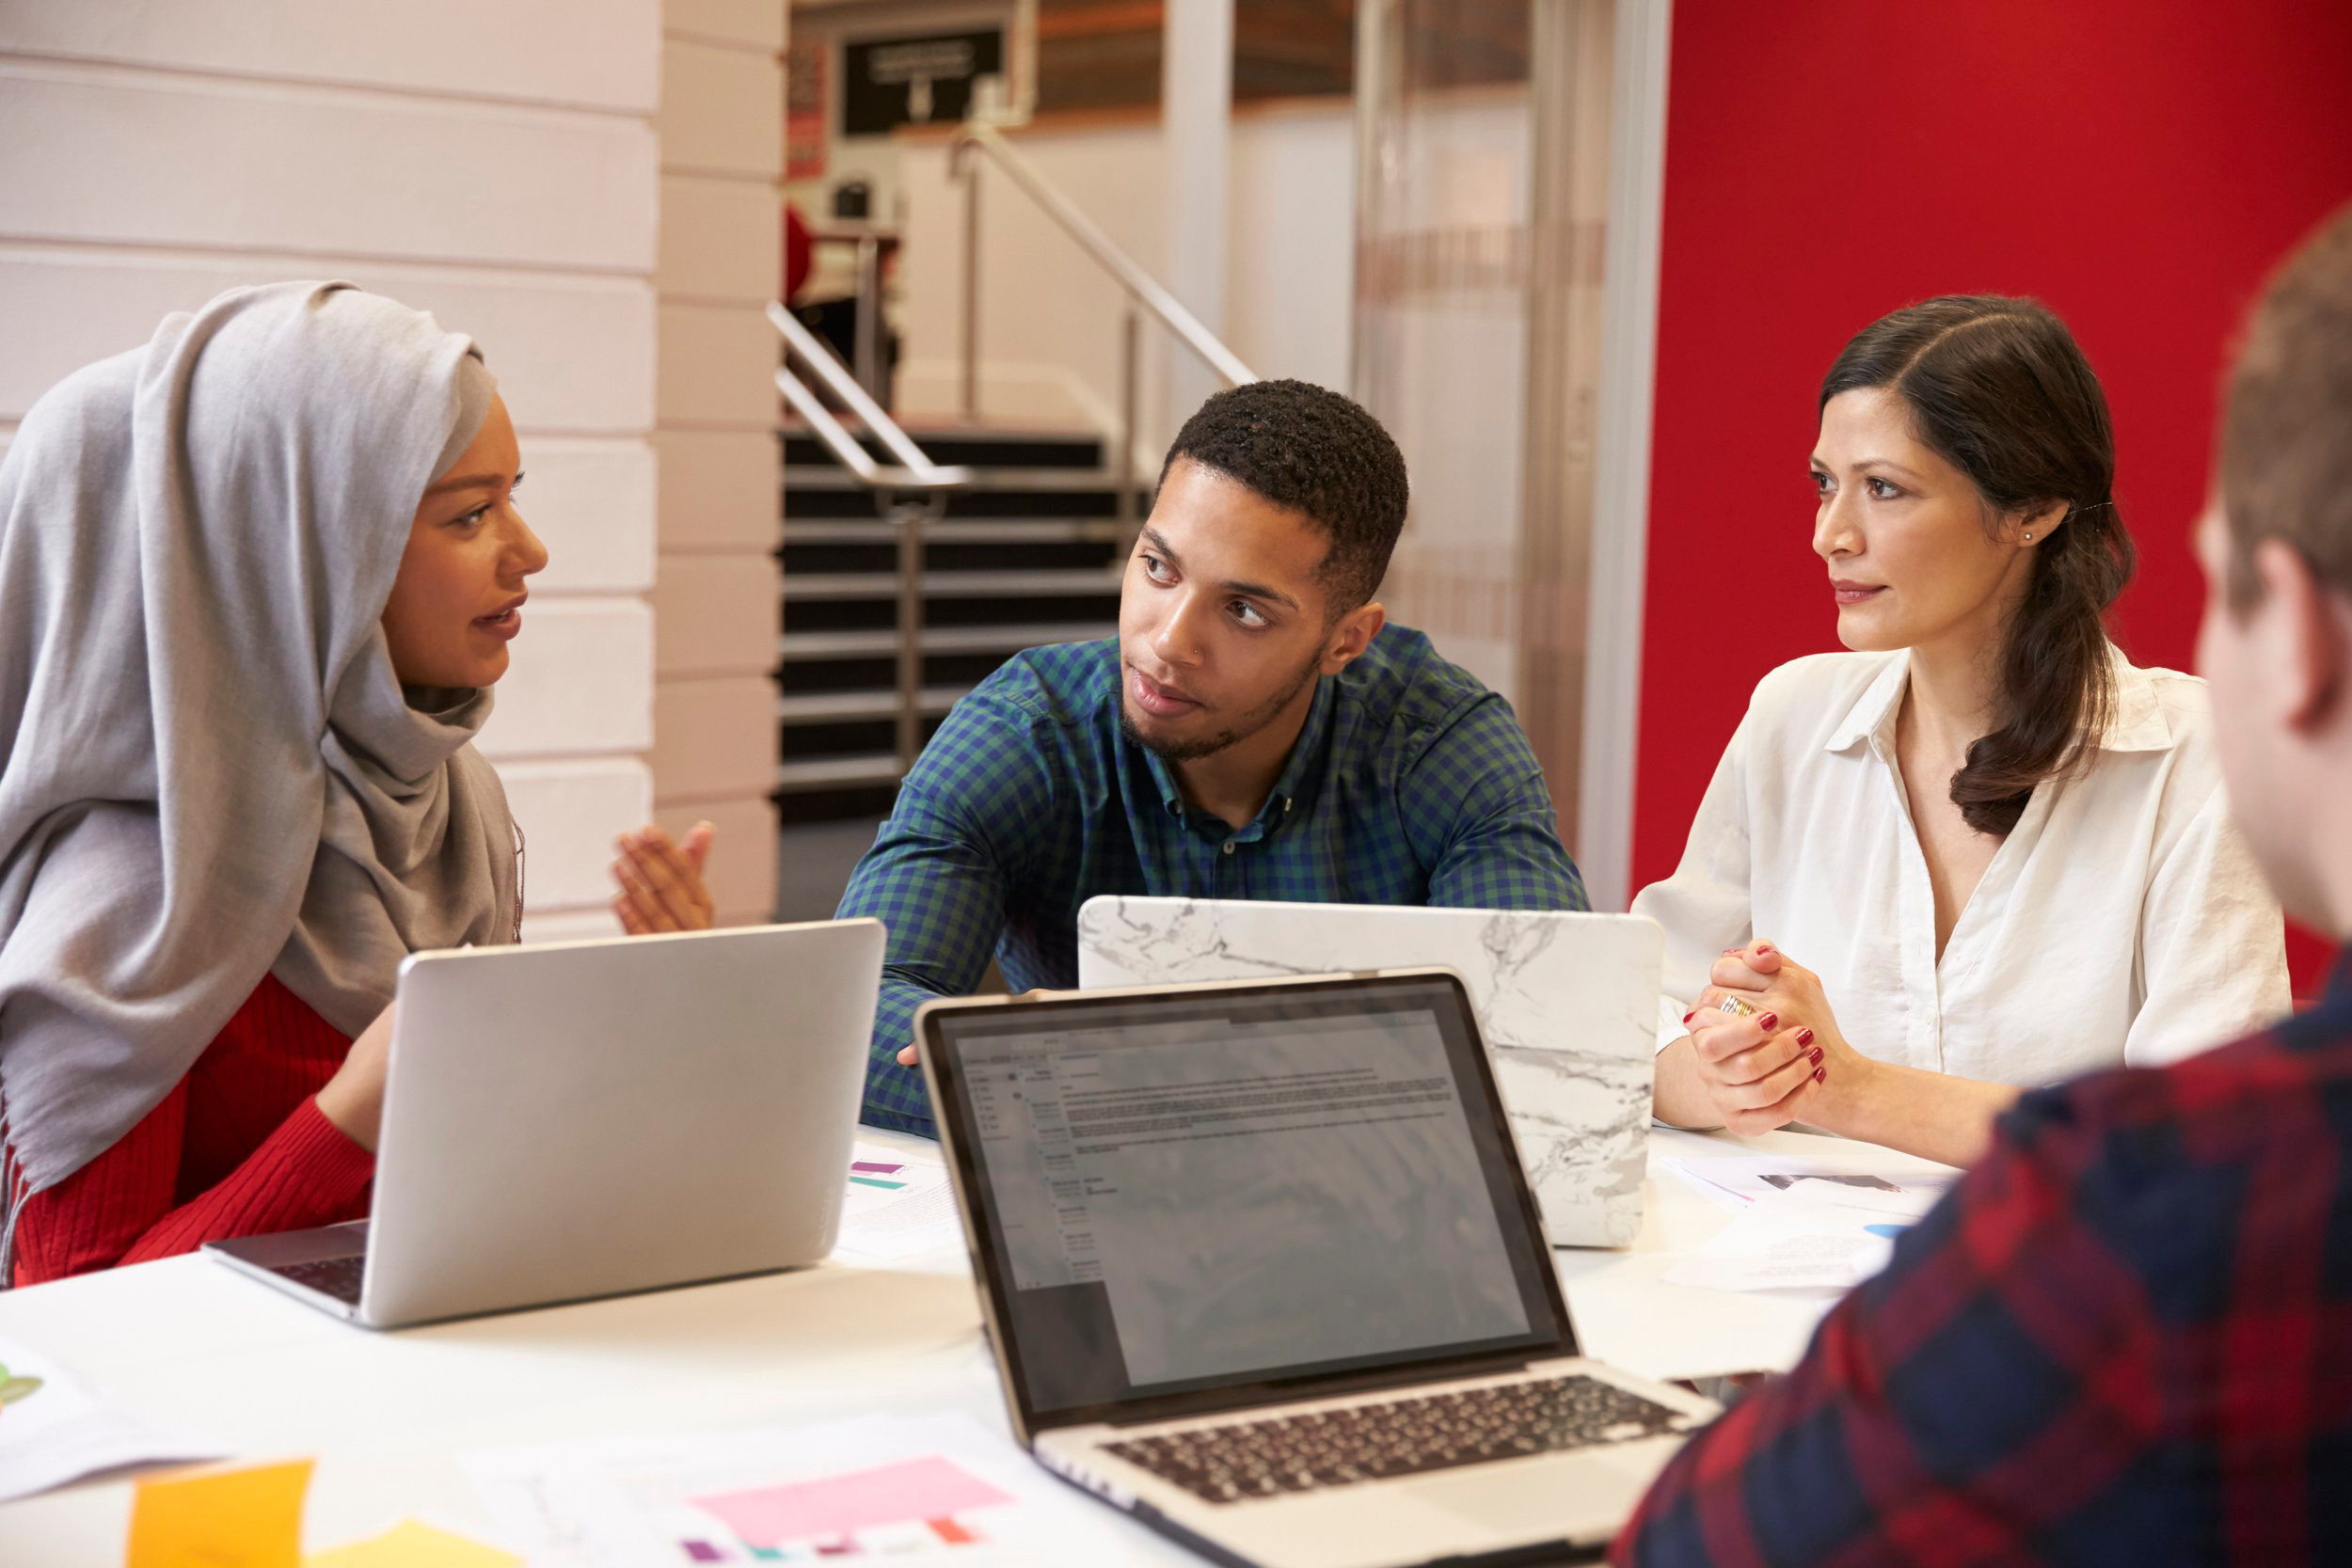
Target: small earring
x=2028, y=538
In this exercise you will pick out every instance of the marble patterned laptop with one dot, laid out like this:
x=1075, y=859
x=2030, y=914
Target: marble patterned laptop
x=1568, y=1002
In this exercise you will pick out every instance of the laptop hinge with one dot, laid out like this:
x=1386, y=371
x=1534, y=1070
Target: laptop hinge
x=1333, y=1387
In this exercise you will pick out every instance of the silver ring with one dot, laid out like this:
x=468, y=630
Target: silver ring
x=1733, y=1006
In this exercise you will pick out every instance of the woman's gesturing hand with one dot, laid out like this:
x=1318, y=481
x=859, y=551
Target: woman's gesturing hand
x=662, y=882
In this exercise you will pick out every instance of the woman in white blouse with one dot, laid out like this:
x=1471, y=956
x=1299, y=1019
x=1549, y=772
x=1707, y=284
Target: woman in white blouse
x=1982, y=851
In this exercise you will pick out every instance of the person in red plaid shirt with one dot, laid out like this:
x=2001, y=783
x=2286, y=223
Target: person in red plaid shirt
x=2126, y=1337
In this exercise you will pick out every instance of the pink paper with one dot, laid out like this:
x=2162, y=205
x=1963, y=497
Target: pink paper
x=916, y=1489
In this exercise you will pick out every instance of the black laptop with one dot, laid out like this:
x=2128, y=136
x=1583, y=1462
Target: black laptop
x=1261, y=1267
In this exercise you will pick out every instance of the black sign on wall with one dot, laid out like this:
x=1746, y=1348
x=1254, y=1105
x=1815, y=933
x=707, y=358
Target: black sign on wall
x=887, y=82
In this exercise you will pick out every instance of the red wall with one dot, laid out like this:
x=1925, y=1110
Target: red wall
x=2136, y=164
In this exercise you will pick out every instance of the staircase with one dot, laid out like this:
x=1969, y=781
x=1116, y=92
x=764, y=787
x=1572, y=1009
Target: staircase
x=1032, y=553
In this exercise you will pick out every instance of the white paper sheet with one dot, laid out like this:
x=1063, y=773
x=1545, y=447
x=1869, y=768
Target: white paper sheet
x=1810, y=1233
x=52, y=1430
x=632, y=1502
x=912, y=1215
x=1734, y=1181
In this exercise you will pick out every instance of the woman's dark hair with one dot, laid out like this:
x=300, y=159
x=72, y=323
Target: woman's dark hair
x=1999, y=389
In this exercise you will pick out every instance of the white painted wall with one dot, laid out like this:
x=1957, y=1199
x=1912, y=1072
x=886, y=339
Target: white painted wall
x=1290, y=271
x=1049, y=344
x=497, y=162
x=716, y=590
x=1196, y=160
x=1621, y=479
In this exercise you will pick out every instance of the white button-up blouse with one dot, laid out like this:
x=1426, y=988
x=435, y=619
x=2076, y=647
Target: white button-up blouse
x=2123, y=920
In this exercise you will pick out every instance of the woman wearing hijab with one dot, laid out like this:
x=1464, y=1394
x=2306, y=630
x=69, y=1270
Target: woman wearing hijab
x=256, y=582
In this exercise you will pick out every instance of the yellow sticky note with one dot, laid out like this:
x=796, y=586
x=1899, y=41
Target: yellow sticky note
x=242, y=1518
x=410, y=1544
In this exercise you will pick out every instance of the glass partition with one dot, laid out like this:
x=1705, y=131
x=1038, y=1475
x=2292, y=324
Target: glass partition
x=1482, y=164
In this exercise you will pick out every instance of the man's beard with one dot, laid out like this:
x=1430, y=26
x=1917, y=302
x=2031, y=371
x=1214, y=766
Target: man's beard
x=1209, y=745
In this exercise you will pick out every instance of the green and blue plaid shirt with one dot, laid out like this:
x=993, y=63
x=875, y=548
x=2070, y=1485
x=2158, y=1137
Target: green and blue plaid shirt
x=1411, y=783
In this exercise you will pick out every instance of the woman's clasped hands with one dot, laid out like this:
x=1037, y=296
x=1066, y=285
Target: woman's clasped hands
x=1775, y=1056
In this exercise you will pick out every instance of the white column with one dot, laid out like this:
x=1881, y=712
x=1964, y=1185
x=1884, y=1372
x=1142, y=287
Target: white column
x=1613, y=635
x=1196, y=121
x=716, y=595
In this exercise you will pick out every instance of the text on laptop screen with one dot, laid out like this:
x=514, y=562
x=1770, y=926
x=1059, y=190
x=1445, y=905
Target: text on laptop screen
x=1204, y=1190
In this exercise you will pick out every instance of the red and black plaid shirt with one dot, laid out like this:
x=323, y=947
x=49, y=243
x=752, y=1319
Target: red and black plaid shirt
x=2125, y=1338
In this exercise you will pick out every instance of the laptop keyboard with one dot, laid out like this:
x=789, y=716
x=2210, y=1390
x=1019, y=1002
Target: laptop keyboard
x=330, y=1277
x=1372, y=1442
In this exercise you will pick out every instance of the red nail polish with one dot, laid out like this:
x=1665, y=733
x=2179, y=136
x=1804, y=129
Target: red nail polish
x=1817, y=1056
x=1768, y=1023
x=1688, y=1016
x=1763, y=947
x=1821, y=1075
x=1804, y=1036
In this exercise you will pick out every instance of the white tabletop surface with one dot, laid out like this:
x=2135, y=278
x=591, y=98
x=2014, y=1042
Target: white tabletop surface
x=192, y=1343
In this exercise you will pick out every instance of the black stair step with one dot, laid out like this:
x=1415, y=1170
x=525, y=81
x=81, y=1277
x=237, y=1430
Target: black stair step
x=972, y=449
x=956, y=529
x=833, y=502
x=822, y=615
x=882, y=644
x=846, y=738
x=860, y=767
x=804, y=562
x=1047, y=582
x=819, y=804
x=837, y=708
x=958, y=670
x=1038, y=480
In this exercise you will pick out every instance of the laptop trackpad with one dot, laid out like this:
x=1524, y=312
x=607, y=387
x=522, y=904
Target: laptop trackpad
x=1571, y=1496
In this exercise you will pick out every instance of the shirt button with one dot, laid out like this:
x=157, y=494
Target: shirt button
x=1229, y=845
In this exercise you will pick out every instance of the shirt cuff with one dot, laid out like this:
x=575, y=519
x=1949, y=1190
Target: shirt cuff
x=1670, y=1025
x=331, y=1165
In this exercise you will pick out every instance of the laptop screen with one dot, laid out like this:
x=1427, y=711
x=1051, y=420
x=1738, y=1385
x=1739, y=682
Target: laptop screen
x=1230, y=1189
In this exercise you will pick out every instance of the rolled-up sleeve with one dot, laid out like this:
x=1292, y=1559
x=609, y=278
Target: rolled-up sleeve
x=1704, y=907
x=2213, y=962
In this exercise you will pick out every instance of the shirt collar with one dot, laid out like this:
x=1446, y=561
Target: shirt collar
x=1873, y=712
x=1289, y=784
x=2136, y=722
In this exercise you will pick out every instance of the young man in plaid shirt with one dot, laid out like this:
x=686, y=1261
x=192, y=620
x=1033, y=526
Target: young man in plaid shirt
x=2127, y=1337
x=1251, y=733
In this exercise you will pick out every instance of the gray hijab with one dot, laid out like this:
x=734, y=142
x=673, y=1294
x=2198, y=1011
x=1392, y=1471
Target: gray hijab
x=209, y=771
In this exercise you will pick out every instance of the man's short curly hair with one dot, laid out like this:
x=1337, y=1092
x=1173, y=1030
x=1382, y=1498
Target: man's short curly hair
x=1309, y=450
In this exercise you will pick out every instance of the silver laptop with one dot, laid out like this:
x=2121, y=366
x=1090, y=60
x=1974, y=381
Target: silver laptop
x=1568, y=1002
x=1261, y=1267
x=586, y=1118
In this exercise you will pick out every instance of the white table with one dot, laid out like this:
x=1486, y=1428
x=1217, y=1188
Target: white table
x=1625, y=1312
x=190, y=1342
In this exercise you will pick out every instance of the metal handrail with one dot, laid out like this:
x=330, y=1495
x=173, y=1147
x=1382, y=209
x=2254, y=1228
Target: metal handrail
x=915, y=471
x=1143, y=289
x=1140, y=285
x=913, y=474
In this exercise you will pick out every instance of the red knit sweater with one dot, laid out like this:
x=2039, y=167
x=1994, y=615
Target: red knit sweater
x=238, y=1148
